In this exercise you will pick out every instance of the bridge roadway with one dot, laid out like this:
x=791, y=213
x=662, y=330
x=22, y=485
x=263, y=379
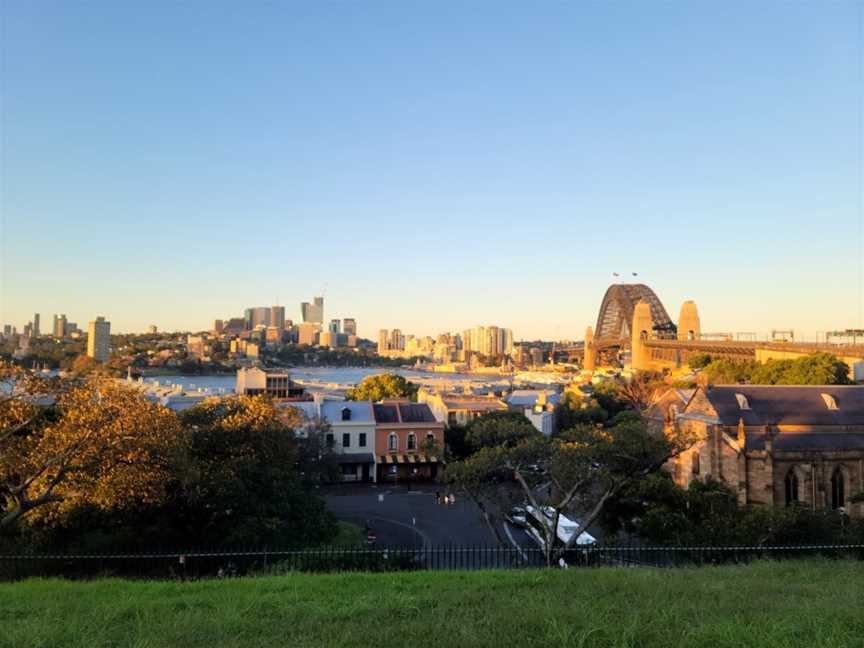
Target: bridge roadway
x=728, y=348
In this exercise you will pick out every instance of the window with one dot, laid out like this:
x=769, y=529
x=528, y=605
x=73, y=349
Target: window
x=346, y=440
x=695, y=463
x=742, y=402
x=412, y=441
x=362, y=440
x=392, y=468
x=346, y=414
x=430, y=436
x=791, y=487
x=830, y=403
x=393, y=443
x=329, y=439
x=838, y=489
x=451, y=418
x=349, y=470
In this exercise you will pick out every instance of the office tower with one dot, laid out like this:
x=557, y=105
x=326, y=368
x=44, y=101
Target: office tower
x=59, y=327
x=218, y=325
x=383, y=341
x=36, y=325
x=397, y=340
x=98, y=337
x=349, y=326
x=7, y=330
x=255, y=317
x=313, y=312
x=335, y=326
x=28, y=329
x=307, y=333
x=277, y=316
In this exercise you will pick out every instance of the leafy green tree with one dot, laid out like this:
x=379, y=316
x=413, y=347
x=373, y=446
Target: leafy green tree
x=376, y=388
x=816, y=369
x=239, y=484
x=723, y=371
x=580, y=470
x=497, y=429
x=699, y=361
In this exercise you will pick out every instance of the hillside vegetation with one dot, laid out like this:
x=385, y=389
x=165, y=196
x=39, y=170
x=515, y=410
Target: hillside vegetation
x=794, y=603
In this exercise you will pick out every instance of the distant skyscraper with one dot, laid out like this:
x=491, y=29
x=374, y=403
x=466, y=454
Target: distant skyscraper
x=335, y=326
x=98, y=338
x=255, y=317
x=397, y=340
x=277, y=316
x=36, y=331
x=383, y=340
x=218, y=325
x=313, y=312
x=59, y=327
x=349, y=326
x=7, y=330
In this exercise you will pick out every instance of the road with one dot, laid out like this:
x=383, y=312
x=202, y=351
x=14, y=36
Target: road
x=412, y=518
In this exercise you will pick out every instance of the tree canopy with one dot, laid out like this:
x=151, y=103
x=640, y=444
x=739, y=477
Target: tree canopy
x=376, y=388
x=816, y=369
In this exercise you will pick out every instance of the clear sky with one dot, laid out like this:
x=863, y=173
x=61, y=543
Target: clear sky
x=435, y=165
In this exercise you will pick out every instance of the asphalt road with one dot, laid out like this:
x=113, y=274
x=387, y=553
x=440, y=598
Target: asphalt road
x=412, y=518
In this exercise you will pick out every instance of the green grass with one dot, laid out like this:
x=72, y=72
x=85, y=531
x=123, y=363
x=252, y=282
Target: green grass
x=789, y=604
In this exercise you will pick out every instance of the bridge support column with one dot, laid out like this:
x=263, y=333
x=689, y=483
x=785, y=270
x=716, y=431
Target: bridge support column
x=642, y=330
x=590, y=356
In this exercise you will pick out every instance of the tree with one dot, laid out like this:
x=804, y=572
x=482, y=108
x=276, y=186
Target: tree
x=65, y=443
x=816, y=369
x=723, y=371
x=376, y=388
x=641, y=389
x=580, y=470
x=699, y=361
x=239, y=483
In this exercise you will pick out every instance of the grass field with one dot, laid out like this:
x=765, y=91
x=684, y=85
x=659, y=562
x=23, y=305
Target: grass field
x=789, y=604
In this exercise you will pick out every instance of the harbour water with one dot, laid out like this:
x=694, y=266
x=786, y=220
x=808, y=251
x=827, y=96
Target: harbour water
x=327, y=377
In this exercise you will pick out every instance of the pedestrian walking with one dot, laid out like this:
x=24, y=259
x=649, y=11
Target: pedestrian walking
x=452, y=499
x=437, y=497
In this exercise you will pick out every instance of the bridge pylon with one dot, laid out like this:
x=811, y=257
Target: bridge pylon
x=590, y=356
x=641, y=332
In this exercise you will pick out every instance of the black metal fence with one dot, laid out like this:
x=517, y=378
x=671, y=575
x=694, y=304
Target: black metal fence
x=223, y=564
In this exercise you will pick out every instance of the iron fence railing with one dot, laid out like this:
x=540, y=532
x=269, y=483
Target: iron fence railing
x=194, y=564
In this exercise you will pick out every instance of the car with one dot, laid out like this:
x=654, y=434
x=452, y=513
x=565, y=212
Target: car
x=517, y=517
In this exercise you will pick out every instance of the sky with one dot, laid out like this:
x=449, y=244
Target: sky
x=431, y=166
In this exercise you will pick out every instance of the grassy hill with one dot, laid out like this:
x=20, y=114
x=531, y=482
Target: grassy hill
x=795, y=603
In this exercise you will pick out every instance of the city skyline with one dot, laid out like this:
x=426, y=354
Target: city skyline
x=434, y=168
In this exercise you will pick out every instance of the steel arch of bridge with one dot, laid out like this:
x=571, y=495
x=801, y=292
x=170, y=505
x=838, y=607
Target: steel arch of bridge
x=616, y=312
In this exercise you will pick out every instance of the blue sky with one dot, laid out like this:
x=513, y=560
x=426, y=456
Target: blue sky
x=434, y=165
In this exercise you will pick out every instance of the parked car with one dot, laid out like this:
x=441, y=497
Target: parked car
x=517, y=517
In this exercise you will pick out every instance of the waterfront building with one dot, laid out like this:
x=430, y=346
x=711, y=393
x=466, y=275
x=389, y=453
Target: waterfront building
x=98, y=338
x=349, y=326
x=489, y=341
x=335, y=326
x=383, y=341
x=275, y=383
x=274, y=334
x=313, y=313
x=397, y=340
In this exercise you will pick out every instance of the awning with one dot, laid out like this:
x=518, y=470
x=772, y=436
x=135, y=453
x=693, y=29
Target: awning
x=352, y=458
x=409, y=459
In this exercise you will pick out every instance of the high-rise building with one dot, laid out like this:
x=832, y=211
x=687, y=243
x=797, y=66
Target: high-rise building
x=277, y=316
x=349, y=326
x=59, y=326
x=218, y=325
x=335, y=326
x=488, y=340
x=397, y=340
x=255, y=317
x=98, y=338
x=36, y=325
x=307, y=333
x=7, y=330
x=313, y=312
x=383, y=340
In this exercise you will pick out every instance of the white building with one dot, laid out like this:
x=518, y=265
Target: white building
x=98, y=339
